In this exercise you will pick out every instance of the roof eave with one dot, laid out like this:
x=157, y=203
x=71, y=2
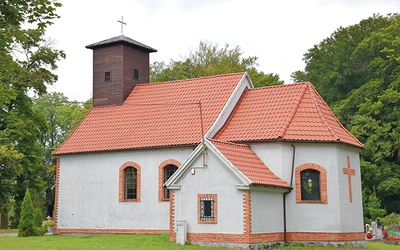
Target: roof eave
x=262, y=187
x=296, y=141
x=121, y=39
x=126, y=149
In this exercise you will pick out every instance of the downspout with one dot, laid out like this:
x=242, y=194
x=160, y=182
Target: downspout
x=284, y=195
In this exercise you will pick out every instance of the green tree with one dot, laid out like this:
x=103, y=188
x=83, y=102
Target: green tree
x=372, y=113
x=209, y=59
x=357, y=70
x=27, y=59
x=332, y=66
x=37, y=217
x=62, y=116
x=25, y=226
x=372, y=207
x=9, y=168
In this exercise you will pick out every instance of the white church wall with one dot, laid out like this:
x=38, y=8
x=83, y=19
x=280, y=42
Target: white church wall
x=315, y=217
x=351, y=213
x=89, y=189
x=327, y=217
x=213, y=179
x=338, y=215
x=277, y=156
x=266, y=212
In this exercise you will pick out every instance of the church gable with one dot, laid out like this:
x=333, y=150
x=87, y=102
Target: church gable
x=242, y=162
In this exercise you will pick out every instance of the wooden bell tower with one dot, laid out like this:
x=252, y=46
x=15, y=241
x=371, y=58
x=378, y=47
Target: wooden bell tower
x=119, y=63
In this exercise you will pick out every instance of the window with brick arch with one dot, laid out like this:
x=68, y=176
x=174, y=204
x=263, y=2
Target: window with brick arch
x=129, y=182
x=169, y=170
x=165, y=170
x=311, y=184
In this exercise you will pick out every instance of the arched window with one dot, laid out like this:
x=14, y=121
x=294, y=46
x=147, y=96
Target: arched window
x=169, y=170
x=165, y=170
x=311, y=184
x=129, y=182
x=130, y=174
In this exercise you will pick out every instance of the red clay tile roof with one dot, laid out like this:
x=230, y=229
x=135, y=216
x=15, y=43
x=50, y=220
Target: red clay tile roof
x=247, y=162
x=291, y=112
x=154, y=115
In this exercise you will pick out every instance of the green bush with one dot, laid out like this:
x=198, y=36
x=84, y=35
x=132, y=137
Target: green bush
x=49, y=223
x=25, y=226
x=39, y=231
x=392, y=224
x=392, y=219
x=37, y=218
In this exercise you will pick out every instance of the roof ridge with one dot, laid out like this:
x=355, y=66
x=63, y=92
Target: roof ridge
x=292, y=115
x=106, y=106
x=192, y=79
x=313, y=96
x=285, y=85
x=334, y=117
x=230, y=117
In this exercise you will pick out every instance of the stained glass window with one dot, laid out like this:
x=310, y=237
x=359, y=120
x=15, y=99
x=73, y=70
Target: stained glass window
x=310, y=185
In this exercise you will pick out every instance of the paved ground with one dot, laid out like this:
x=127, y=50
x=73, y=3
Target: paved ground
x=6, y=235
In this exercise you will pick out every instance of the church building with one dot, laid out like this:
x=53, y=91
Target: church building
x=209, y=160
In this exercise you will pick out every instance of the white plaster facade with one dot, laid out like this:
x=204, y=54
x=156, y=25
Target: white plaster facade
x=88, y=190
x=337, y=216
x=213, y=179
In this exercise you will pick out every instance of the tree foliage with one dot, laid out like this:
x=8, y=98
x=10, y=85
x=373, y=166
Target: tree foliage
x=9, y=168
x=333, y=65
x=27, y=60
x=357, y=70
x=37, y=217
x=62, y=116
x=25, y=226
x=209, y=59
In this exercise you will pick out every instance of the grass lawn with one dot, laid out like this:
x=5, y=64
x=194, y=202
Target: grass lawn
x=94, y=242
x=129, y=242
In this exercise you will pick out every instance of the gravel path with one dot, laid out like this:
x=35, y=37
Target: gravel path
x=8, y=235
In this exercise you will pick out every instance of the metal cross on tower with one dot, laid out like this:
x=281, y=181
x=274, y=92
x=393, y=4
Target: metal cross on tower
x=122, y=24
